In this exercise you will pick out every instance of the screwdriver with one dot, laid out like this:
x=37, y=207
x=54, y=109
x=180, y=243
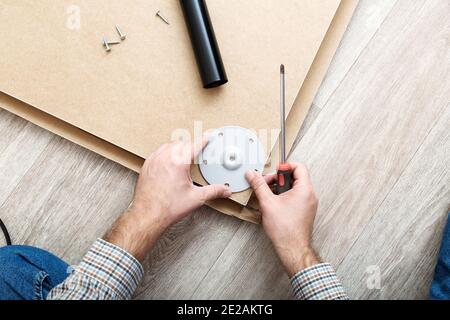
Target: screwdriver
x=284, y=173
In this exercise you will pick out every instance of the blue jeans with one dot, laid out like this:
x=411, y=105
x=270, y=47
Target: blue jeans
x=440, y=288
x=28, y=273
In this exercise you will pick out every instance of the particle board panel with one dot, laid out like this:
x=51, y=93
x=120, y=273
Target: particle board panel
x=147, y=90
x=129, y=160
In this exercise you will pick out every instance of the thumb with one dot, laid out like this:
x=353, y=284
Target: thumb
x=259, y=185
x=213, y=192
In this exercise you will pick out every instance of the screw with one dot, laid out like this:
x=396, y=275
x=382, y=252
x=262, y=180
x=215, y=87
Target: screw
x=122, y=36
x=106, y=44
x=113, y=42
x=158, y=14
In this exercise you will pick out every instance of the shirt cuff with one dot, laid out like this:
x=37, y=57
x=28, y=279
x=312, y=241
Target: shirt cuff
x=113, y=267
x=319, y=282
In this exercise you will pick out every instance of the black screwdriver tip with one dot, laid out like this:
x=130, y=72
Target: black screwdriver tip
x=282, y=69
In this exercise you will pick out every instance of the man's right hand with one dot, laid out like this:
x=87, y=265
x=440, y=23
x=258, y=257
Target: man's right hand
x=288, y=219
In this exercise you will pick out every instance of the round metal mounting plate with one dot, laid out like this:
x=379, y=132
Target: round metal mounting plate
x=231, y=151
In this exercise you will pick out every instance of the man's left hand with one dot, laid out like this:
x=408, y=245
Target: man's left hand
x=164, y=195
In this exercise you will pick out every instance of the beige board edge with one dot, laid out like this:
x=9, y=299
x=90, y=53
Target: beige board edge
x=127, y=159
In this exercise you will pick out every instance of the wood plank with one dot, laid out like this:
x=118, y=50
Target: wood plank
x=248, y=268
x=10, y=127
x=312, y=115
x=373, y=125
x=21, y=143
x=64, y=201
x=185, y=254
x=368, y=18
x=403, y=238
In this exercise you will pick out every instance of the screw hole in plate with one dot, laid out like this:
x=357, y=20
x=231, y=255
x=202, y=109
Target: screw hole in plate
x=205, y=162
x=227, y=185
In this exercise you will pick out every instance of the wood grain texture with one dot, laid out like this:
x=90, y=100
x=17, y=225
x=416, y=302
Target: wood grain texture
x=21, y=143
x=377, y=144
x=10, y=126
x=248, y=268
x=366, y=21
x=404, y=235
x=377, y=119
x=185, y=254
x=313, y=113
x=67, y=198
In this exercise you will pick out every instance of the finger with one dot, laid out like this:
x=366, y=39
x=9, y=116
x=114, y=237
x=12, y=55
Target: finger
x=259, y=185
x=177, y=153
x=157, y=151
x=213, y=192
x=270, y=178
x=300, y=174
x=198, y=146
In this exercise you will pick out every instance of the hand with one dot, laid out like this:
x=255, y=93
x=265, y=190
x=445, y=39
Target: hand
x=288, y=219
x=164, y=195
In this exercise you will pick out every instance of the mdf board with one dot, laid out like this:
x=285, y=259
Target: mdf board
x=137, y=96
x=131, y=161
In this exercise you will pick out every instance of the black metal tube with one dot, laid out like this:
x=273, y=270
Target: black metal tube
x=204, y=43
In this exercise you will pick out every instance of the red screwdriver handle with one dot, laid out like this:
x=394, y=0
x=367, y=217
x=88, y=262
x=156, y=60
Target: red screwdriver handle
x=285, y=179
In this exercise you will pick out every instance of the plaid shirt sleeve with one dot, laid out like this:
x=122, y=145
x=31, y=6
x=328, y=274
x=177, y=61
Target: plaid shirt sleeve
x=319, y=282
x=106, y=273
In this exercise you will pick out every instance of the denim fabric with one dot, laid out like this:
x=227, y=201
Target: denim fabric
x=440, y=289
x=28, y=273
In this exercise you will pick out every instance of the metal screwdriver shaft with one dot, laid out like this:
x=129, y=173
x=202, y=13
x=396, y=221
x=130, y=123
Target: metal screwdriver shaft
x=284, y=174
x=283, y=113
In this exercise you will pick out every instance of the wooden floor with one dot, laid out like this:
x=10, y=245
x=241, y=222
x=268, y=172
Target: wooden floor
x=377, y=142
